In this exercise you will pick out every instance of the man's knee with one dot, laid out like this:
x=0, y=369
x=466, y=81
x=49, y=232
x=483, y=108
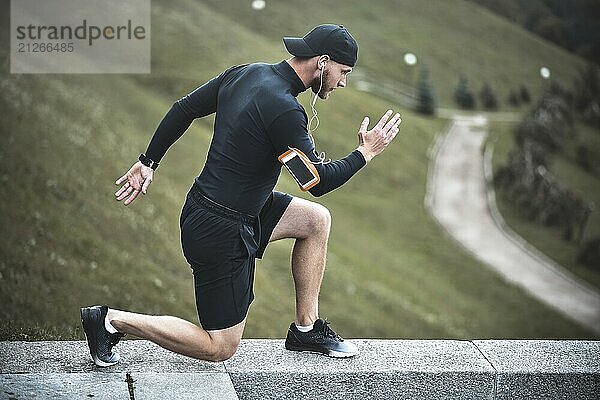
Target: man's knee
x=225, y=353
x=301, y=220
x=223, y=349
x=319, y=219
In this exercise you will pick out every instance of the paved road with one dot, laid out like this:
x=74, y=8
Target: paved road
x=457, y=198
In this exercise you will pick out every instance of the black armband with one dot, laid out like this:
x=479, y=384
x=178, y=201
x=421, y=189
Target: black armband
x=147, y=161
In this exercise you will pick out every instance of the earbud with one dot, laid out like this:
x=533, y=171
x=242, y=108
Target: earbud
x=323, y=63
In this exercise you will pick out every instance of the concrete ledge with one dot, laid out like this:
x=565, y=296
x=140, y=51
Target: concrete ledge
x=544, y=369
x=384, y=369
x=263, y=369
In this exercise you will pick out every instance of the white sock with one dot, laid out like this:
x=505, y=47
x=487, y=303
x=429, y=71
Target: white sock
x=305, y=328
x=108, y=326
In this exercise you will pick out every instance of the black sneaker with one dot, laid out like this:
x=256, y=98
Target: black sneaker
x=100, y=341
x=321, y=339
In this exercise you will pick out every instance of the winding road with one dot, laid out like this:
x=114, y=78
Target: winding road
x=460, y=199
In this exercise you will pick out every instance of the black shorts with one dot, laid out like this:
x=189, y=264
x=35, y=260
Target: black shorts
x=221, y=246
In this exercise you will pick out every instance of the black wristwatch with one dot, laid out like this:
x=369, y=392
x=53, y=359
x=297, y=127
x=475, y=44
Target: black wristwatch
x=147, y=161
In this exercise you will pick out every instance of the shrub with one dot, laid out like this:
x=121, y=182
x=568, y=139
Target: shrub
x=534, y=191
x=591, y=114
x=548, y=124
x=487, y=97
x=463, y=95
x=587, y=158
x=426, y=102
x=590, y=254
x=557, y=90
x=514, y=99
x=587, y=88
x=525, y=97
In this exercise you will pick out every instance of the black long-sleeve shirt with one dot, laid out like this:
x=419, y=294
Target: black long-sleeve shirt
x=258, y=118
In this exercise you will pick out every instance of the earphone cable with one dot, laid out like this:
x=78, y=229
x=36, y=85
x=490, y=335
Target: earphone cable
x=321, y=157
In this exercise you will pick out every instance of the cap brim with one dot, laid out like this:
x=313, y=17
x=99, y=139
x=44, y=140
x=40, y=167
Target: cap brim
x=298, y=47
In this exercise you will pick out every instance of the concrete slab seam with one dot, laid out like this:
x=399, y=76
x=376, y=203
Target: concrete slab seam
x=491, y=365
x=130, y=387
x=230, y=380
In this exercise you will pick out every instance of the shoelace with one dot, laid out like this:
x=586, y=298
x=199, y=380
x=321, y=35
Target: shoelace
x=327, y=331
x=106, y=348
x=115, y=337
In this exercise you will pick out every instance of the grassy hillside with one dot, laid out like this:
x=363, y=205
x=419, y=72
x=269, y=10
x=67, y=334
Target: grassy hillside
x=392, y=271
x=451, y=37
x=574, y=25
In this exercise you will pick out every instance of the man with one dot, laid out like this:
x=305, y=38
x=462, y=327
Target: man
x=231, y=212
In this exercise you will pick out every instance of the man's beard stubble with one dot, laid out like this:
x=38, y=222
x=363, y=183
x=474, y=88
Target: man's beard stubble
x=325, y=89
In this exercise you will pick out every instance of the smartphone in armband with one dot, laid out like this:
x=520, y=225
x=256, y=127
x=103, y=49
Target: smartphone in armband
x=300, y=167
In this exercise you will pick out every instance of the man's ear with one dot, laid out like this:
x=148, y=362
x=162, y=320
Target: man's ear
x=323, y=61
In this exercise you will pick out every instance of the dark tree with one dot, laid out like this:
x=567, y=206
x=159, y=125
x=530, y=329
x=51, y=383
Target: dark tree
x=587, y=158
x=525, y=97
x=463, y=95
x=514, y=99
x=557, y=90
x=587, y=95
x=590, y=254
x=548, y=124
x=487, y=97
x=426, y=100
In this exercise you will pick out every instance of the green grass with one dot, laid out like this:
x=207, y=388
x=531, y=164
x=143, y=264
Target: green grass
x=392, y=271
x=568, y=174
x=451, y=37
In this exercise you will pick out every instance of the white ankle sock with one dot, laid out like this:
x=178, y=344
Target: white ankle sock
x=304, y=328
x=108, y=326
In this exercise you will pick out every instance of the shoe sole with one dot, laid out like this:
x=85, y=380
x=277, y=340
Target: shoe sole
x=91, y=337
x=329, y=353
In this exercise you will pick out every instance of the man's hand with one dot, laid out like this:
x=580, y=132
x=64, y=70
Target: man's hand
x=373, y=142
x=136, y=180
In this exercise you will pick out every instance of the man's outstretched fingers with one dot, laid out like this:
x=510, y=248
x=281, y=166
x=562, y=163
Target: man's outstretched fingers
x=145, y=185
x=122, y=189
x=126, y=193
x=121, y=180
x=394, y=131
x=391, y=122
x=364, y=125
x=383, y=120
x=132, y=197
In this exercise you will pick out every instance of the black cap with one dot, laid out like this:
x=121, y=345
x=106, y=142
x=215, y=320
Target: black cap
x=333, y=40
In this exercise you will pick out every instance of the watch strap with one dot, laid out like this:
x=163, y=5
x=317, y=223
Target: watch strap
x=147, y=161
